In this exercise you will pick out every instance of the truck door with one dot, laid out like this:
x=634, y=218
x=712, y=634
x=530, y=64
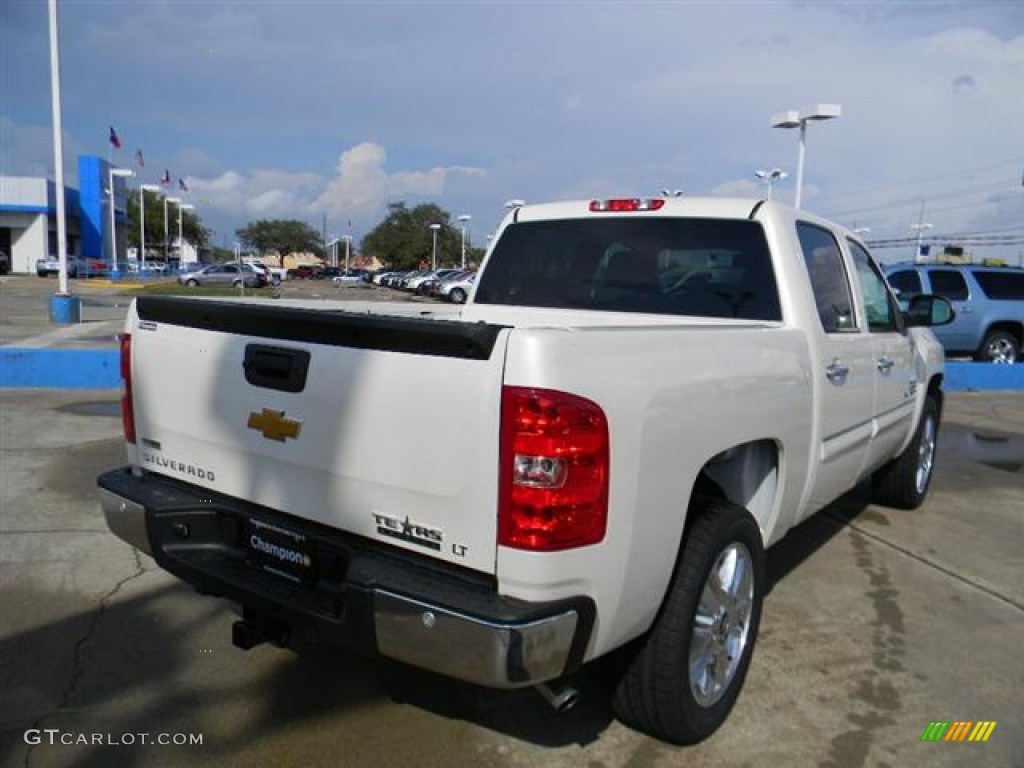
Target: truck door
x=894, y=377
x=844, y=371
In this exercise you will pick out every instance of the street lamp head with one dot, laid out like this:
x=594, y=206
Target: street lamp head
x=175, y=200
x=788, y=119
x=434, y=226
x=122, y=173
x=149, y=187
x=671, y=193
x=464, y=217
x=821, y=112
x=516, y=203
x=188, y=207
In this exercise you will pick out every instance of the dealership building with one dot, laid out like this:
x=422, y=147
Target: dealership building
x=28, y=216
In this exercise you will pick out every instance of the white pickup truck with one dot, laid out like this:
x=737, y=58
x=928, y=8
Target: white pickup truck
x=639, y=397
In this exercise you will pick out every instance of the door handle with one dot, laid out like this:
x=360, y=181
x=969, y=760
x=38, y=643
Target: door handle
x=836, y=373
x=885, y=365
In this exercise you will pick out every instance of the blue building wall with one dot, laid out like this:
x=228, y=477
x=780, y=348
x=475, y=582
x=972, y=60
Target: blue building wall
x=90, y=194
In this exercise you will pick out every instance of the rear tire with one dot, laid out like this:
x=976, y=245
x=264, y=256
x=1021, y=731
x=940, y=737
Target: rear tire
x=458, y=296
x=682, y=683
x=903, y=482
x=999, y=346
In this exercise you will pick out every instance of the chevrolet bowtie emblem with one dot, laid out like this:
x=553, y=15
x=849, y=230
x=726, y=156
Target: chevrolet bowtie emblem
x=273, y=425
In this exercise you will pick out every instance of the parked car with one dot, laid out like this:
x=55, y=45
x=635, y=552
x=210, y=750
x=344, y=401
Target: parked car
x=5, y=263
x=457, y=288
x=349, y=277
x=269, y=275
x=224, y=274
x=429, y=285
x=77, y=267
x=304, y=272
x=989, y=304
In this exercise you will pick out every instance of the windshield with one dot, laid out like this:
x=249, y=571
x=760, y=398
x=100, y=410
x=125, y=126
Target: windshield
x=676, y=266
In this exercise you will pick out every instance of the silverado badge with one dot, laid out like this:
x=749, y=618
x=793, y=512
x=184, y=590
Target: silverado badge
x=273, y=425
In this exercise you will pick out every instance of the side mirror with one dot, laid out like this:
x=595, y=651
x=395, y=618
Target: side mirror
x=927, y=311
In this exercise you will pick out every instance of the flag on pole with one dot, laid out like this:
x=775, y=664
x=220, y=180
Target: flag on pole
x=167, y=178
x=182, y=185
x=115, y=142
x=139, y=158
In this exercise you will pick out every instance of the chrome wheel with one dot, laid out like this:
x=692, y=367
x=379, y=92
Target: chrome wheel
x=721, y=624
x=925, y=454
x=1002, y=350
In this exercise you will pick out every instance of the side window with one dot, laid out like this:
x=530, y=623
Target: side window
x=907, y=282
x=828, y=278
x=948, y=283
x=1008, y=286
x=878, y=305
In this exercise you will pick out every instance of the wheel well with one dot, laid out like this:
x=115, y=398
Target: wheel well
x=747, y=475
x=935, y=391
x=1014, y=329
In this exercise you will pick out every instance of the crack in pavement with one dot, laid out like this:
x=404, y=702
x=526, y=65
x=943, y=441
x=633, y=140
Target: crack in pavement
x=77, y=666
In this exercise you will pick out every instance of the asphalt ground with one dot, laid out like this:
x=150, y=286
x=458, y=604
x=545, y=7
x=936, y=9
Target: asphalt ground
x=877, y=623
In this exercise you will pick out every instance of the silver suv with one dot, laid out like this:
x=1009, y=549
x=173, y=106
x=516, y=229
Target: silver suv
x=989, y=304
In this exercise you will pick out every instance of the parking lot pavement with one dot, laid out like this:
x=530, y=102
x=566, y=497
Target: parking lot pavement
x=878, y=622
x=25, y=319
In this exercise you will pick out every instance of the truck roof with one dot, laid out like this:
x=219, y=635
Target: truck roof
x=717, y=207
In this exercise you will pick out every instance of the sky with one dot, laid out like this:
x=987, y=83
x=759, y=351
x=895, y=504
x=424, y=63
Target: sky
x=315, y=109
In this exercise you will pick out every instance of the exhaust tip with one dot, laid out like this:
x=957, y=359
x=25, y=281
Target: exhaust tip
x=561, y=700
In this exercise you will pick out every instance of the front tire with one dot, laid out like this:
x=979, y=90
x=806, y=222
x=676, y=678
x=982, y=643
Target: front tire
x=903, y=482
x=458, y=296
x=191, y=282
x=682, y=683
x=999, y=346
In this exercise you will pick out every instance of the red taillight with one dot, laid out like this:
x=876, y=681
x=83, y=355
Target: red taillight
x=623, y=205
x=554, y=470
x=127, y=407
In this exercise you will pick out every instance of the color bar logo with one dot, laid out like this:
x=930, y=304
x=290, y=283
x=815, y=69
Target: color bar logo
x=958, y=730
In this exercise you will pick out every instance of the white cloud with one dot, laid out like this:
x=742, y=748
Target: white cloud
x=362, y=186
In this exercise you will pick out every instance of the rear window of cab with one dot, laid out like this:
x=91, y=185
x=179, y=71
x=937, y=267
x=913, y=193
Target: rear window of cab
x=674, y=266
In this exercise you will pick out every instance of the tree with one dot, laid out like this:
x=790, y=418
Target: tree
x=192, y=229
x=283, y=236
x=404, y=239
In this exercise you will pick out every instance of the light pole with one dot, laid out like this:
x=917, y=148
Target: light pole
x=333, y=245
x=348, y=246
x=775, y=174
x=919, y=227
x=120, y=173
x=143, y=189
x=176, y=201
x=434, y=228
x=794, y=118
x=181, y=240
x=464, y=218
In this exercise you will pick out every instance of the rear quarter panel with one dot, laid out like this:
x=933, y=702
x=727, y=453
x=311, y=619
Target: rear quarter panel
x=675, y=397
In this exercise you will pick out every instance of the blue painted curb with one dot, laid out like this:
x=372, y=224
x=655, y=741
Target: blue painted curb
x=982, y=377
x=59, y=368
x=101, y=369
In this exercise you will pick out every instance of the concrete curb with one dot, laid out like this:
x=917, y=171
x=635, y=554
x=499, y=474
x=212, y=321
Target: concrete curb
x=25, y=368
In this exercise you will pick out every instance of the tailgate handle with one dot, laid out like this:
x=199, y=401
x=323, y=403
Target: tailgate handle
x=278, y=368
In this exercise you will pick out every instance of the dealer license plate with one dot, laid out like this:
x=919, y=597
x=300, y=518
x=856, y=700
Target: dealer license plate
x=281, y=551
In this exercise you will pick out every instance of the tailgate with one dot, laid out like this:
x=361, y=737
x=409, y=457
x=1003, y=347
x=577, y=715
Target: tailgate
x=381, y=426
